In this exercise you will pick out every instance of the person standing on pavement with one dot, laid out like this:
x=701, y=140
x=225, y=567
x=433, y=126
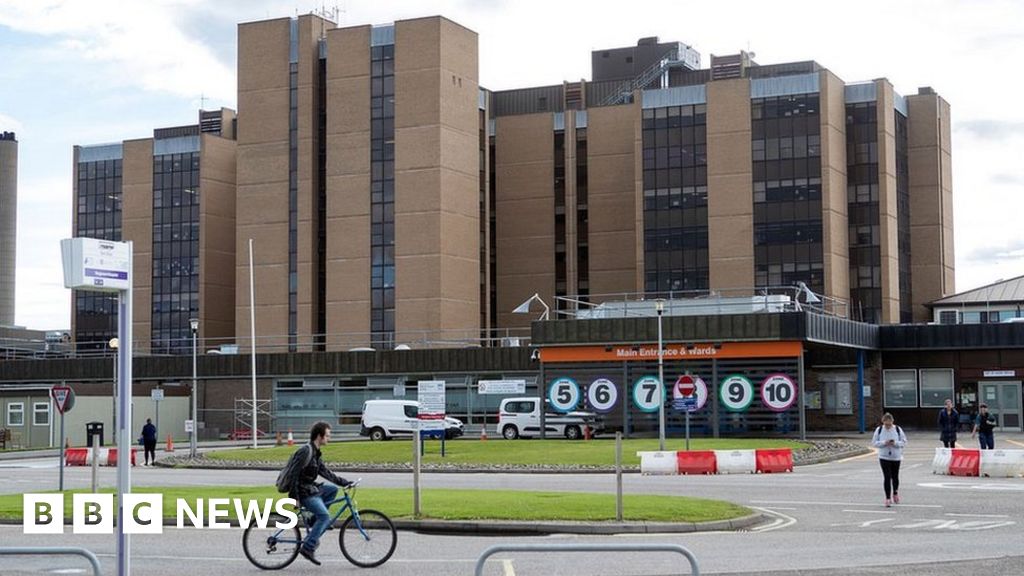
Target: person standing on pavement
x=949, y=420
x=984, y=424
x=312, y=495
x=890, y=441
x=149, y=441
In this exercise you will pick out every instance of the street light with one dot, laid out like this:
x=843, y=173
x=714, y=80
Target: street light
x=194, y=323
x=113, y=343
x=659, y=306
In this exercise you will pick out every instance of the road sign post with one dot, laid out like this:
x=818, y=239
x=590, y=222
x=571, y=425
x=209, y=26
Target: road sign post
x=97, y=265
x=64, y=400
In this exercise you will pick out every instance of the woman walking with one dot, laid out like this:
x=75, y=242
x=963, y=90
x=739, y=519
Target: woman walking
x=890, y=440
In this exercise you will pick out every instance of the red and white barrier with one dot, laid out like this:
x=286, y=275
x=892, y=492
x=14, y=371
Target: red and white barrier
x=969, y=462
x=84, y=456
x=736, y=461
x=716, y=461
x=658, y=463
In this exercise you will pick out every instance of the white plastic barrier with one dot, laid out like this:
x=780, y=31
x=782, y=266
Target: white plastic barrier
x=736, y=461
x=660, y=463
x=1002, y=463
x=940, y=463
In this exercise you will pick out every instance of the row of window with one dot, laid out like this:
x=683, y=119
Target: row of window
x=912, y=388
x=40, y=414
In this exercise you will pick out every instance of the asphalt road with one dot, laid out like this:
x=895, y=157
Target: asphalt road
x=827, y=520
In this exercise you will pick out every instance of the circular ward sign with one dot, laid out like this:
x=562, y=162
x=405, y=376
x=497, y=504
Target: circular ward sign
x=737, y=392
x=602, y=395
x=778, y=392
x=645, y=394
x=564, y=394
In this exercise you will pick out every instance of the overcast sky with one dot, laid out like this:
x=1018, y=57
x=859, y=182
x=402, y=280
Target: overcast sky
x=94, y=71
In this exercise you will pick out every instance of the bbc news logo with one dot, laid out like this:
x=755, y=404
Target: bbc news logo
x=144, y=513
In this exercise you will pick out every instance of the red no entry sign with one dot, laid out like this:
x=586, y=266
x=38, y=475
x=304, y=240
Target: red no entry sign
x=686, y=385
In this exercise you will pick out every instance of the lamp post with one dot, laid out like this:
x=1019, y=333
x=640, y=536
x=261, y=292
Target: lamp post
x=194, y=323
x=113, y=343
x=659, y=306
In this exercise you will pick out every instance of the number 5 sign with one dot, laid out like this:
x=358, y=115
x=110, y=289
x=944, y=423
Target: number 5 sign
x=778, y=392
x=564, y=394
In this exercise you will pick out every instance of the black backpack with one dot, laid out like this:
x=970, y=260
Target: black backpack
x=299, y=460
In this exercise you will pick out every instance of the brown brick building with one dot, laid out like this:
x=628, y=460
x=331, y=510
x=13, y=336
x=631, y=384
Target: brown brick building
x=391, y=200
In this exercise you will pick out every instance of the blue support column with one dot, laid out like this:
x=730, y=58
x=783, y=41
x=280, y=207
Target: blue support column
x=860, y=389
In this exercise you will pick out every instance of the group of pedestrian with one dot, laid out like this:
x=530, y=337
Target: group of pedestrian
x=890, y=440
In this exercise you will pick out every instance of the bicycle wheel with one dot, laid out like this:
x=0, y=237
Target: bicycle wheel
x=271, y=548
x=370, y=541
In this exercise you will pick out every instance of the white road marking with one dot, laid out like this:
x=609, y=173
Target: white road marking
x=871, y=511
x=507, y=567
x=781, y=520
x=808, y=503
x=993, y=486
x=978, y=515
x=866, y=524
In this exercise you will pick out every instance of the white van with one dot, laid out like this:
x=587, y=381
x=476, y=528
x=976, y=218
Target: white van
x=385, y=419
x=521, y=417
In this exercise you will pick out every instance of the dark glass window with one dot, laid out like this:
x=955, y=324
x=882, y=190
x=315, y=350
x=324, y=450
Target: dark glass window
x=98, y=207
x=786, y=154
x=561, y=234
x=175, y=252
x=582, y=217
x=903, y=218
x=675, y=185
x=862, y=199
x=382, y=194
x=293, y=204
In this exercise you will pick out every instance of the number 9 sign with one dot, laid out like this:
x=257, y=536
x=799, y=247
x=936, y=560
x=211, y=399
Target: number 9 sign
x=645, y=393
x=778, y=392
x=564, y=394
x=602, y=395
x=736, y=393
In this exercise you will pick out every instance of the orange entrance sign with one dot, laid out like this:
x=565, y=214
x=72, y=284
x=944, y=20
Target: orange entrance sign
x=644, y=352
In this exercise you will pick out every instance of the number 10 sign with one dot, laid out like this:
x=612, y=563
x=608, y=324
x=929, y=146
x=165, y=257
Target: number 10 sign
x=778, y=392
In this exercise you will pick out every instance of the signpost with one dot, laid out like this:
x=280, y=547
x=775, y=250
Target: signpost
x=507, y=387
x=431, y=397
x=106, y=266
x=157, y=394
x=687, y=396
x=64, y=400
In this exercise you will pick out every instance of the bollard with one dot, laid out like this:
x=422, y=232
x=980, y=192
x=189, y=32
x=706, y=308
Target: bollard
x=170, y=444
x=291, y=441
x=277, y=442
x=95, y=461
x=483, y=433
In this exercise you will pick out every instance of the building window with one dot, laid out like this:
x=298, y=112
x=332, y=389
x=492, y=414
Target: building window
x=41, y=414
x=16, y=414
x=900, y=388
x=98, y=215
x=863, y=210
x=949, y=317
x=936, y=387
x=382, y=195
x=786, y=157
x=675, y=201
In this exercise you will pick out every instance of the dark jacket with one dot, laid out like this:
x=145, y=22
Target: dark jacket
x=948, y=423
x=305, y=484
x=986, y=422
x=149, y=433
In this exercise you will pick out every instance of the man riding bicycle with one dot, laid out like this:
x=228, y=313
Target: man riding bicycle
x=311, y=494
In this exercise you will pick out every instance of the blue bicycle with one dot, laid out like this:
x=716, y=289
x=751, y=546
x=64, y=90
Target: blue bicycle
x=367, y=537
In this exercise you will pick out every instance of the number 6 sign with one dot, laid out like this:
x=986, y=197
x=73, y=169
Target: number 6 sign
x=778, y=392
x=602, y=395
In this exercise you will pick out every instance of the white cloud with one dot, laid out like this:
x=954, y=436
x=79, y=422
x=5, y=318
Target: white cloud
x=9, y=123
x=141, y=40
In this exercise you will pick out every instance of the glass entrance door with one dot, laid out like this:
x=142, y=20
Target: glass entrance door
x=1004, y=401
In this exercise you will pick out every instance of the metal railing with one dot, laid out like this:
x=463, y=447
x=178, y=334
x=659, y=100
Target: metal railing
x=609, y=547
x=68, y=551
x=764, y=299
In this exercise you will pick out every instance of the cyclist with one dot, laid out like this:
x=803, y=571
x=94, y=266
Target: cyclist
x=313, y=495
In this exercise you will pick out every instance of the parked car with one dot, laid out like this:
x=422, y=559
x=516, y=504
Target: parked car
x=520, y=417
x=385, y=419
